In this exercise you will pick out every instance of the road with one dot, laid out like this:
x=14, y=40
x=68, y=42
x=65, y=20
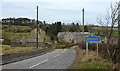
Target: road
x=58, y=59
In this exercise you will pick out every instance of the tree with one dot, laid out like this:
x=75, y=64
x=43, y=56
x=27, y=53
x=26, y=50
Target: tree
x=44, y=22
x=77, y=27
x=58, y=27
x=73, y=27
x=46, y=30
x=85, y=29
x=53, y=30
x=110, y=19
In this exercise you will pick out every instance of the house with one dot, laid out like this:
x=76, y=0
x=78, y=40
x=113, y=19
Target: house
x=29, y=41
x=33, y=36
x=61, y=35
x=71, y=37
x=18, y=41
x=16, y=21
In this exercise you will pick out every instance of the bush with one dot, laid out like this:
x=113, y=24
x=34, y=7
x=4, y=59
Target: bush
x=91, y=46
x=103, y=50
x=112, y=48
x=82, y=45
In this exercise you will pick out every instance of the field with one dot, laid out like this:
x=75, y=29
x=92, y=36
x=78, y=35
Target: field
x=96, y=29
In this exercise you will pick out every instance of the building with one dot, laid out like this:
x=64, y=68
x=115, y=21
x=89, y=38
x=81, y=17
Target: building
x=16, y=21
x=18, y=41
x=71, y=37
x=33, y=36
x=29, y=41
x=8, y=20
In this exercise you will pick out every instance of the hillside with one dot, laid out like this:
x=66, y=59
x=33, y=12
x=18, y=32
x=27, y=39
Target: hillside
x=96, y=29
x=15, y=31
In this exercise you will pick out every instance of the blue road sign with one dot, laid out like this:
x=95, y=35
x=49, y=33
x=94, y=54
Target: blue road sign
x=92, y=38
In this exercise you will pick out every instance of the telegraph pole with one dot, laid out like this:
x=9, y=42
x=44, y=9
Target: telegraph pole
x=37, y=29
x=119, y=30
x=83, y=25
x=119, y=24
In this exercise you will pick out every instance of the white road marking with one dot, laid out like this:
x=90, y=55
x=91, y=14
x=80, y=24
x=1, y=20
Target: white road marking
x=59, y=54
x=46, y=60
x=56, y=56
x=64, y=51
x=38, y=63
x=50, y=52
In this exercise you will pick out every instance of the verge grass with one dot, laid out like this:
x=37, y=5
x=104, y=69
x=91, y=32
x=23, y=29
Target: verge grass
x=7, y=49
x=91, y=63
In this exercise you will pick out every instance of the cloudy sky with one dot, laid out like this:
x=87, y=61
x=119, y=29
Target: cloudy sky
x=66, y=11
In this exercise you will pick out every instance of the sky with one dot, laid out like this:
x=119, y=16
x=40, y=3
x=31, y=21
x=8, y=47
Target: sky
x=67, y=11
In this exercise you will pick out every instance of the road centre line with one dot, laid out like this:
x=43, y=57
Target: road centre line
x=45, y=60
x=63, y=51
x=56, y=56
x=38, y=64
x=59, y=54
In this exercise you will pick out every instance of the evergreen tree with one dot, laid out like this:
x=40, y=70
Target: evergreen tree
x=85, y=29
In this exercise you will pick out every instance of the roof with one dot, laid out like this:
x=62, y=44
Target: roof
x=86, y=33
x=62, y=33
x=33, y=34
x=75, y=33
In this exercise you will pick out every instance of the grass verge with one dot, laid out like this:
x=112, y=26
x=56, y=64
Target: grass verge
x=90, y=63
x=7, y=49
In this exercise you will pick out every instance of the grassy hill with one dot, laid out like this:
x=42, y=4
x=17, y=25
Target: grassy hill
x=15, y=31
x=16, y=28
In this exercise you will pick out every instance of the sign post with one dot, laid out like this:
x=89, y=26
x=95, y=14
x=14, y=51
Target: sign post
x=97, y=50
x=87, y=50
x=91, y=38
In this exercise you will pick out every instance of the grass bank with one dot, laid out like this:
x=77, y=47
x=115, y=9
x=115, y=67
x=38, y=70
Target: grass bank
x=7, y=49
x=90, y=63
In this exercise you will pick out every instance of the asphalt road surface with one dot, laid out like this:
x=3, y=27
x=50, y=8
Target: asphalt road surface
x=58, y=59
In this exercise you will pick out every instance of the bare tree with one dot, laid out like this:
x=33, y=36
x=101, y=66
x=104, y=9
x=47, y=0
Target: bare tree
x=110, y=20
